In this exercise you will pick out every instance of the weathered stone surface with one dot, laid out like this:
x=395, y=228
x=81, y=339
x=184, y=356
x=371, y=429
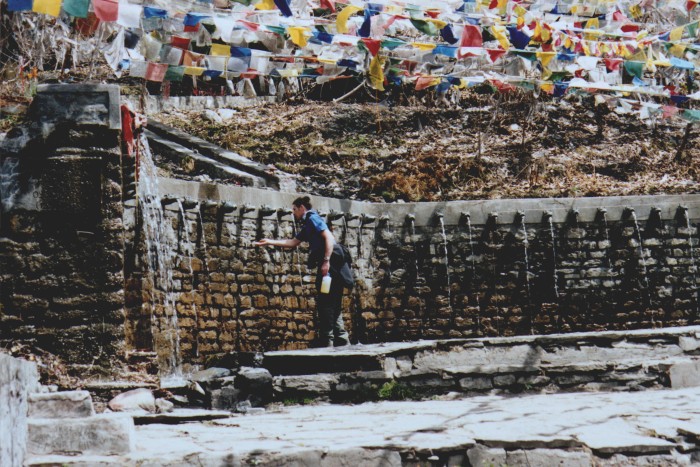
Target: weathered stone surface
x=18, y=378
x=255, y=385
x=210, y=374
x=550, y=457
x=136, y=400
x=685, y=375
x=67, y=404
x=318, y=384
x=482, y=456
x=99, y=435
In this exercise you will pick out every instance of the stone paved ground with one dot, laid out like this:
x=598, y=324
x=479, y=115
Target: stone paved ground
x=567, y=429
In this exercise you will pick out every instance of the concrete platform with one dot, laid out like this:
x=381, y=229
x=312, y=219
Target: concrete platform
x=573, y=429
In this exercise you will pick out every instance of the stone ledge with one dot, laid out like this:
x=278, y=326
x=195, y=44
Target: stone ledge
x=98, y=435
x=67, y=404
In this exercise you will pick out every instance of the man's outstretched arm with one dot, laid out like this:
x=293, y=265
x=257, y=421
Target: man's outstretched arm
x=286, y=243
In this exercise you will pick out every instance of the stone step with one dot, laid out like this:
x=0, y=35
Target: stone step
x=615, y=361
x=106, y=434
x=65, y=404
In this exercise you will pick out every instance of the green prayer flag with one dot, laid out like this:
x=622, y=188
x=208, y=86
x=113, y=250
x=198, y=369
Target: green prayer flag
x=174, y=73
x=391, y=43
x=426, y=27
x=277, y=29
x=77, y=8
x=691, y=115
x=693, y=29
x=634, y=68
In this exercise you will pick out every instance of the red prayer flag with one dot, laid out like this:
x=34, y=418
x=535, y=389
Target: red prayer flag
x=471, y=36
x=106, y=10
x=87, y=26
x=328, y=5
x=180, y=42
x=156, y=71
x=372, y=45
x=612, y=64
x=495, y=54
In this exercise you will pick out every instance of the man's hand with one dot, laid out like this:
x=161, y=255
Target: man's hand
x=262, y=242
x=325, y=267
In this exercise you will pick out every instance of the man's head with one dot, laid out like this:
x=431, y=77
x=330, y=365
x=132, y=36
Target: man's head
x=300, y=206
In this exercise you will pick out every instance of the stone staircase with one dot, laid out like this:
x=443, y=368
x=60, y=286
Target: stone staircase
x=603, y=361
x=63, y=425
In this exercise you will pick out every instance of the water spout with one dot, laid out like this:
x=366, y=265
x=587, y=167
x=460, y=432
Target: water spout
x=227, y=208
x=246, y=208
x=266, y=210
x=189, y=203
x=368, y=219
x=334, y=215
x=281, y=212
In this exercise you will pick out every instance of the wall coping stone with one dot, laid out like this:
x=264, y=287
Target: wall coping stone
x=425, y=213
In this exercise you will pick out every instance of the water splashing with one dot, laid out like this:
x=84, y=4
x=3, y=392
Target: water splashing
x=526, y=242
x=188, y=249
x=607, y=239
x=160, y=242
x=9, y=185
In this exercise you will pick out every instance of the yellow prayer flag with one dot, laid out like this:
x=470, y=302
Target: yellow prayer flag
x=342, y=21
x=547, y=87
x=677, y=50
x=194, y=70
x=636, y=11
x=545, y=57
x=376, y=73
x=438, y=23
x=221, y=50
x=502, y=7
x=676, y=34
x=499, y=33
x=640, y=56
x=48, y=7
x=423, y=45
x=519, y=11
x=520, y=22
x=298, y=35
x=265, y=5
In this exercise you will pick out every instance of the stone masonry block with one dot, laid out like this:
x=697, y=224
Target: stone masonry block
x=67, y=404
x=556, y=457
x=99, y=435
x=481, y=456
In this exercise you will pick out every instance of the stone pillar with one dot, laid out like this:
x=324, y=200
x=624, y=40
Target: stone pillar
x=18, y=378
x=62, y=239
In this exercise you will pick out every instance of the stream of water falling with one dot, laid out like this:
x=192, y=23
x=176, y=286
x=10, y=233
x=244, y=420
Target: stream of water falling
x=644, y=263
x=471, y=251
x=526, y=242
x=160, y=240
x=554, y=256
x=609, y=245
x=447, y=262
x=188, y=249
x=692, y=260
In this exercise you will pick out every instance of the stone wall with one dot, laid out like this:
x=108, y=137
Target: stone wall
x=61, y=230
x=18, y=378
x=510, y=270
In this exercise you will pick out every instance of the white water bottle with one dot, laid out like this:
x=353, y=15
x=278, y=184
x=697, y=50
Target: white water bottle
x=326, y=284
